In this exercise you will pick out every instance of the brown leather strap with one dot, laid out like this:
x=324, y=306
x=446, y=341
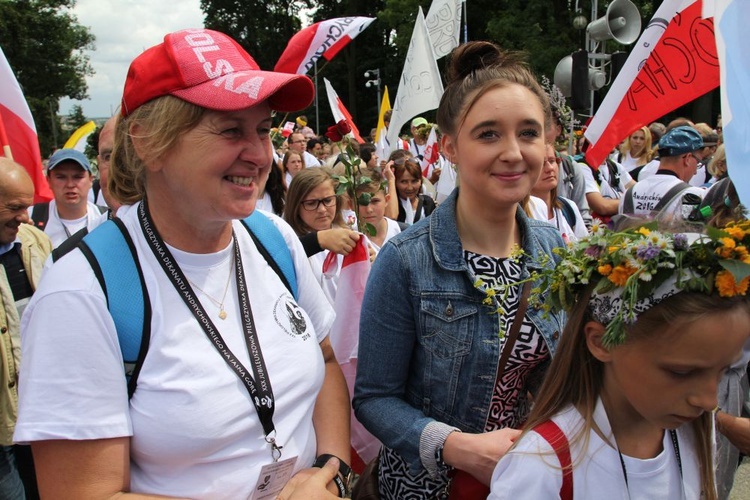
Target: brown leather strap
x=515, y=328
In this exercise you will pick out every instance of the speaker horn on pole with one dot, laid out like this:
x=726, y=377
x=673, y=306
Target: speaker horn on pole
x=621, y=23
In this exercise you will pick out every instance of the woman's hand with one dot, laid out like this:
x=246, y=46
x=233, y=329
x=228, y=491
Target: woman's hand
x=312, y=484
x=338, y=240
x=478, y=454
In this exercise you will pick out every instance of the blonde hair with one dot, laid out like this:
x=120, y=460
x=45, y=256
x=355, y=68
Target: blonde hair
x=161, y=122
x=718, y=165
x=645, y=155
x=576, y=376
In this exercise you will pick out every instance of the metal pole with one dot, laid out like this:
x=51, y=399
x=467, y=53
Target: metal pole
x=317, y=113
x=466, y=29
x=590, y=44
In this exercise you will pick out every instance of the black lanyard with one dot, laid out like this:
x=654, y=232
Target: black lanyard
x=676, y=446
x=261, y=393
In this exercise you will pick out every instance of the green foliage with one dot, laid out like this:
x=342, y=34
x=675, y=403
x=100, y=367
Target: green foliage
x=44, y=45
x=76, y=118
x=349, y=183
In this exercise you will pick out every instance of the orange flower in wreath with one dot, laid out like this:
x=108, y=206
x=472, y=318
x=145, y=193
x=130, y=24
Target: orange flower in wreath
x=728, y=287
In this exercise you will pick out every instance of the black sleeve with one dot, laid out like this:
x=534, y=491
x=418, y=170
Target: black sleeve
x=310, y=243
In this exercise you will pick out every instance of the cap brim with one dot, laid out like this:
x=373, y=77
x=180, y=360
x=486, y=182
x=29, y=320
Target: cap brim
x=284, y=92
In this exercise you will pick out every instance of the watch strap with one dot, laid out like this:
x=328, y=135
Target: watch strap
x=341, y=480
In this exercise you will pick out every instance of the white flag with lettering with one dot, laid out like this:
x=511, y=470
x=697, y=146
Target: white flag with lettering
x=444, y=24
x=420, y=86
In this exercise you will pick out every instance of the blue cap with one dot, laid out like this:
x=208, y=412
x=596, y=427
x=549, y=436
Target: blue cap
x=680, y=140
x=63, y=155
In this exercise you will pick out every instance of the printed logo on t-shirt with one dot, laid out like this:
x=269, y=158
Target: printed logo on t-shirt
x=290, y=318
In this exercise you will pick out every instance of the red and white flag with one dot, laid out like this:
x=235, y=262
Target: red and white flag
x=340, y=112
x=324, y=39
x=431, y=154
x=18, y=132
x=344, y=335
x=674, y=62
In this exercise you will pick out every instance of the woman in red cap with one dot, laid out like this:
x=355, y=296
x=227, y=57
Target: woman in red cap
x=239, y=393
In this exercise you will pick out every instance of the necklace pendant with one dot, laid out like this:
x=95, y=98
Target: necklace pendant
x=222, y=314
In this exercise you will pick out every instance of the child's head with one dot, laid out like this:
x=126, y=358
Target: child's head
x=311, y=202
x=408, y=178
x=654, y=321
x=373, y=192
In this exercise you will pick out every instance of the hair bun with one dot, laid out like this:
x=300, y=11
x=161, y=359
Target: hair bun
x=472, y=56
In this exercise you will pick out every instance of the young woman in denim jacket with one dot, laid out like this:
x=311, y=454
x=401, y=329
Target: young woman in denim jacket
x=429, y=343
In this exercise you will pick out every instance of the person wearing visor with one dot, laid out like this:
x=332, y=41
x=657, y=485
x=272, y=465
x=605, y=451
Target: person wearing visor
x=239, y=394
x=678, y=163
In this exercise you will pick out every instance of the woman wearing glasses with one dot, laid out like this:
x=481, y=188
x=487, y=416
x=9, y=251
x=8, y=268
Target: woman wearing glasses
x=312, y=205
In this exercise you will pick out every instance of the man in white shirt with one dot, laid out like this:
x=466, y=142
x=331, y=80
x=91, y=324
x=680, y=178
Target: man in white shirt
x=417, y=143
x=678, y=164
x=70, y=178
x=298, y=144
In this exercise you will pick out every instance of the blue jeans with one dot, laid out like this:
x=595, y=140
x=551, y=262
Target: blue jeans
x=11, y=487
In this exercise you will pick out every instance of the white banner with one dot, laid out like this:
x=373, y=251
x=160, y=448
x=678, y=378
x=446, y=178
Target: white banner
x=420, y=86
x=444, y=24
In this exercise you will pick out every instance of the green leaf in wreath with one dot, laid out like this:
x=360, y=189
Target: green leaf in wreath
x=739, y=269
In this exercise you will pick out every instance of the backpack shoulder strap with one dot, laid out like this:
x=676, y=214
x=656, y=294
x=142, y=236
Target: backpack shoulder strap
x=628, y=206
x=568, y=212
x=96, y=186
x=272, y=246
x=669, y=195
x=112, y=255
x=40, y=214
x=559, y=443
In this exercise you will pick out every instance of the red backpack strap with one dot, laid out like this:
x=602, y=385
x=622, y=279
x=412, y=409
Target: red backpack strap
x=559, y=443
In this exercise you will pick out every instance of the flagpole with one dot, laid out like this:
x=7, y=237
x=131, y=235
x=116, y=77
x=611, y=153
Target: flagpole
x=466, y=29
x=317, y=113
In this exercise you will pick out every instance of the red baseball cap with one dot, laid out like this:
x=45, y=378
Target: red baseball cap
x=209, y=69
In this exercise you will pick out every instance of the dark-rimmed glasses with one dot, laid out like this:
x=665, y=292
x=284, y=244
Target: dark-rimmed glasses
x=312, y=205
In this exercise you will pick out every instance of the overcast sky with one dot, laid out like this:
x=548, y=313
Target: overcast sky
x=123, y=29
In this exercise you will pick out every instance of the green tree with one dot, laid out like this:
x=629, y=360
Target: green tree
x=262, y=28
x=76, y=118
x=44, y=45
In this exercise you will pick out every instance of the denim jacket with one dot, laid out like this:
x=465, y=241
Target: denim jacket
x=428, y=348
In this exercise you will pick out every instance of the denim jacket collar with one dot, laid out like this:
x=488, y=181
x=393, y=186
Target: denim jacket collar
x=448, y=251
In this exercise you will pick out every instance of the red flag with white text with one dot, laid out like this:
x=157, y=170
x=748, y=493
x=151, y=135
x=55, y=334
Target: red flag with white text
x=324, y=39
x=674, y=62
x=340, y=112
x=20, y=132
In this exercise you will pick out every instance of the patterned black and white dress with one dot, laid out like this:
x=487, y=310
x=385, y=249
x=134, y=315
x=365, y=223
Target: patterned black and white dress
x=509, y=406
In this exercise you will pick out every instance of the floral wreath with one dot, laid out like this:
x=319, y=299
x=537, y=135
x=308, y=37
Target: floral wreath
x=560, y=108
x=634, y=270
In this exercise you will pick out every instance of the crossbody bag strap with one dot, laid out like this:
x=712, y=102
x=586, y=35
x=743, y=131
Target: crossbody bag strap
x=514, y=330
x=551, y=433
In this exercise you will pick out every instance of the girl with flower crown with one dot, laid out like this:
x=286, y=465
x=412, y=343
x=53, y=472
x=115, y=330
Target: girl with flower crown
x=655, y=320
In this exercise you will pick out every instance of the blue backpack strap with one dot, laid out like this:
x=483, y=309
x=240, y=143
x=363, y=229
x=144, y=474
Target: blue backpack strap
x=568, y=212
x=112, y=255
x=273, y=247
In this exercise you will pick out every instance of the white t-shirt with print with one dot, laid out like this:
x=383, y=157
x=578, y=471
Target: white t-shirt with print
x=195, y=432
x=531, y=470
x=539, y=211
x=647, y=193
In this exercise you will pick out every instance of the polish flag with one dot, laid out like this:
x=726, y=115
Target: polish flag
x=344, y=335
x=340, y=112
x=324, y=39
x=674, y=62
x=18, y=132
x=431, y=154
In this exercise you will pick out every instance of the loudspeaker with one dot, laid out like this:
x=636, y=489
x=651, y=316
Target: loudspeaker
x=621, y=23
x=563, y=75
x=580, y=93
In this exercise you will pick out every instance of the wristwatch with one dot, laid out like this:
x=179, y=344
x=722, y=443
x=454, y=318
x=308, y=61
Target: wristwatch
x=344, y=478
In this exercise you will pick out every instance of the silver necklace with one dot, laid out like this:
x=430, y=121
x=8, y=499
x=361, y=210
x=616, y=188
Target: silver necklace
x=219, y=304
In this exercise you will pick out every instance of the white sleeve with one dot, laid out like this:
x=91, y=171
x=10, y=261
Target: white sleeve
x=625, y=177
x=311, y=296
x=530, y=471
x=588, y=176
x=72, y=383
